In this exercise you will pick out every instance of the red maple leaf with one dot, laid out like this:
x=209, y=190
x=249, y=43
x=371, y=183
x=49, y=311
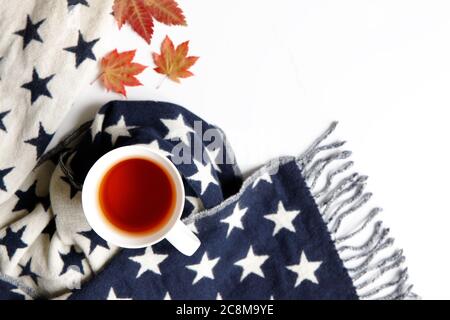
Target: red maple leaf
x=139, y=14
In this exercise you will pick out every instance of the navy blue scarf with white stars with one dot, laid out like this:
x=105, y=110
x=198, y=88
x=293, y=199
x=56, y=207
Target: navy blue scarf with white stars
x=295, y=229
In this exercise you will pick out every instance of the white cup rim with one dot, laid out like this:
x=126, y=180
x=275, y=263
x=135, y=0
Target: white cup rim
x=91, y=205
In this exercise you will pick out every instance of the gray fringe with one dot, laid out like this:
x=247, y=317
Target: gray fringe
x=375, y=266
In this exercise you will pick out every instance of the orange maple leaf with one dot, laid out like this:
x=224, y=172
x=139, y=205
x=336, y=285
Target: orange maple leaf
x=139, y=14
x=118, y=71
x=166, y=11
x=174, y=63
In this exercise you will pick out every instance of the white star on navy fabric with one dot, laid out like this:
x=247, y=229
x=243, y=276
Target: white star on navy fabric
x=213, y=155
x=252, y=264
x=305, y=270
x=177, y=129
x=96, y=125
x=112, y=295
x=204, y=268
x=120, y=129
x=83, y=50
x=24, y=295
x=72, y=3
x=167, y=296
x=2, y=115
x=196, y=204
x=3, y=173
x=30, y=32
x=72, y=259
x=38, y=86
x=27, y=200
x=283, y=219
x=235, y=219
x=27, y=272
x=204, y=175
x=154, y=145
x=95, y=240
x=12, y=240
x=41, y=141
x=264, y=177
x=149, y=261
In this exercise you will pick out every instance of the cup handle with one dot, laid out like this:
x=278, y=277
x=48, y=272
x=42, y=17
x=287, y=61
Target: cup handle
x=183, y=239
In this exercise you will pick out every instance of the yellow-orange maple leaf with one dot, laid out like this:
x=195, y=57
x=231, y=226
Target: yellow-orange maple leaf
x=174, y=62
x=118, y=71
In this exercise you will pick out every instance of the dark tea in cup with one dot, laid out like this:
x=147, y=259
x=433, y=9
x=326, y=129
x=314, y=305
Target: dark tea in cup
x=137, y=196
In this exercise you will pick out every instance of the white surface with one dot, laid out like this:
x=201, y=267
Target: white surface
x=274, y=74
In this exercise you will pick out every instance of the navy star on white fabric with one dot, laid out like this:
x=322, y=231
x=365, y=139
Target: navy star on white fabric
x=3, y=173
x=73, y=3
x=73, y=189
x=41, y=141
x=13, y=241
x=50, y=229
x=30, y=32
x=83, y=50
x=29, y=199
x=2, y=115
x=27, y=272
x=38, y=86
x=95, y=240
x=72, y=259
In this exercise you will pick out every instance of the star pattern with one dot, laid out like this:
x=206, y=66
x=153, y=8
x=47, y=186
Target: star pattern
x=204, y=175
x=178, y=130
x=30, y=32
x=264, y=177
x=83, y=50
x=204, y=269
x=41, y=141
x=2, y=124
x=73, y=3
x=154, y=145
x=305, y=270
x=13, y=241
x=38, y=86
x=112, y=295
x=283, y=219
x=235, y=219
x=94, y=239
x=28, y=199
x=27, y=272
x=120, y=129
x=214, y=157
x=72, y=260
x=96, y=125
x=251, y=264
x=195, y=203
x=149, y=261
x=73, y=189
x=3, y=174
x=50, y=229
x=249, y=244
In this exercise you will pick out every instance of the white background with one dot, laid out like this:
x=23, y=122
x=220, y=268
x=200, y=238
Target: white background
x=274, y=74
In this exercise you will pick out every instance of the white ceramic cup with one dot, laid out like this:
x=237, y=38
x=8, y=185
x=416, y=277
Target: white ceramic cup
x=175, y=231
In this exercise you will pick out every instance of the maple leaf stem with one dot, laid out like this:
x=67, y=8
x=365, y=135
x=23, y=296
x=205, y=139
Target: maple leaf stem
x=98, y=77
x=161, y=82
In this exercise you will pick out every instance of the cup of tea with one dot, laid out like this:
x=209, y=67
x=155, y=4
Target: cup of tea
x=133, y=197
